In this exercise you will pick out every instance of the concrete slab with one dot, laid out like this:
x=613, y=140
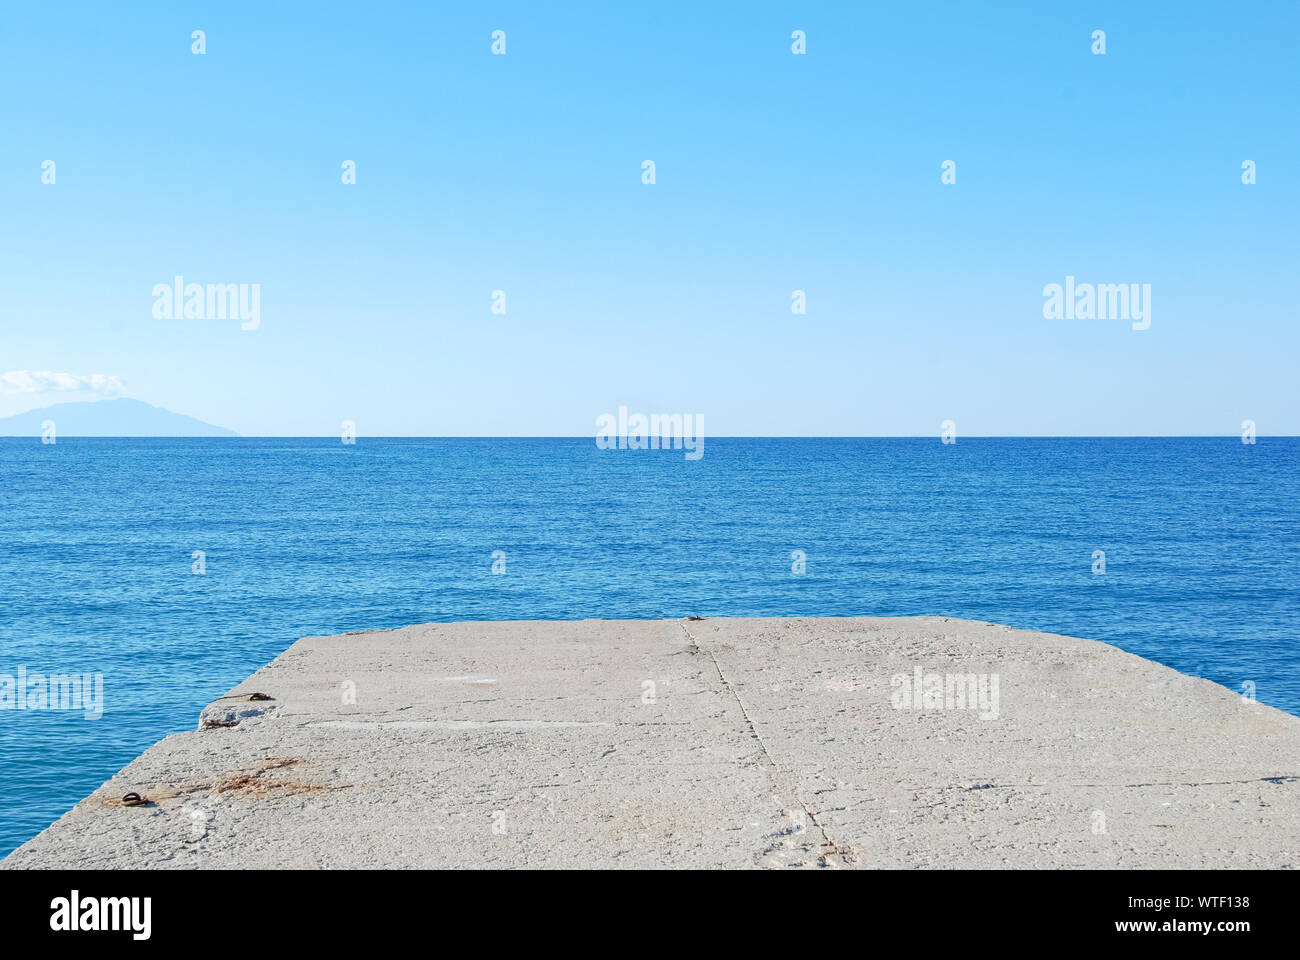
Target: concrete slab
x=715, y=743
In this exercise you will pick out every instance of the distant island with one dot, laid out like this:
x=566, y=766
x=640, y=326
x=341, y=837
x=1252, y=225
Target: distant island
x=120, y=417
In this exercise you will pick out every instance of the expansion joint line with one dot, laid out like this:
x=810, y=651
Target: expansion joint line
x=830, y=847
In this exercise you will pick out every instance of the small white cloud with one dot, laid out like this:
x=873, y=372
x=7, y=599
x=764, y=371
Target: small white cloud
x=43, y=381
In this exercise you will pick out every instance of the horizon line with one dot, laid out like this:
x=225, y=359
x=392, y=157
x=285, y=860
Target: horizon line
x=476, y=436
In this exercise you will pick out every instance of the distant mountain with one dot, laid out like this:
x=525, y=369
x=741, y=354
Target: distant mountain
x=121, y=417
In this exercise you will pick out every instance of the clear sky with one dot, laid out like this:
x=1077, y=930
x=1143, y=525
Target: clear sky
x=774, y=172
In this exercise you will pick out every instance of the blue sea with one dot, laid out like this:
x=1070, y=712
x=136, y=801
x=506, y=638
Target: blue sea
x=311, y=536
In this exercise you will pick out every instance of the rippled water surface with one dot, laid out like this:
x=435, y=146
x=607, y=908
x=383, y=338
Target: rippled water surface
x=302, y=537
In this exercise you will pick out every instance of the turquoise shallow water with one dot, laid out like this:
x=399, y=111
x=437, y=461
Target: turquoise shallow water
x=310, y=536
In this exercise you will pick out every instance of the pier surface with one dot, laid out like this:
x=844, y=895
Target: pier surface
x=774, y=743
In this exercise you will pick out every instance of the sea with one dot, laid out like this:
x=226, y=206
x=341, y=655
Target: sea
x=173, y=568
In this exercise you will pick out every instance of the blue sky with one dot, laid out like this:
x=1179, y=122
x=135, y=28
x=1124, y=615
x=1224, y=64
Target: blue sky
x=774, y=172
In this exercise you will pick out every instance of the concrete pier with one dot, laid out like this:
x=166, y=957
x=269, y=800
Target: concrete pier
x=770, y=743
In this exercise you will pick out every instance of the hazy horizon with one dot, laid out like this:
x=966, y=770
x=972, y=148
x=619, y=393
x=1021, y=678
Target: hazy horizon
x=34, y=430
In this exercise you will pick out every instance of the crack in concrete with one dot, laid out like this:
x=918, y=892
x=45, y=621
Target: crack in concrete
x=829, y=846
x=470, y=724
x=1117, y=786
